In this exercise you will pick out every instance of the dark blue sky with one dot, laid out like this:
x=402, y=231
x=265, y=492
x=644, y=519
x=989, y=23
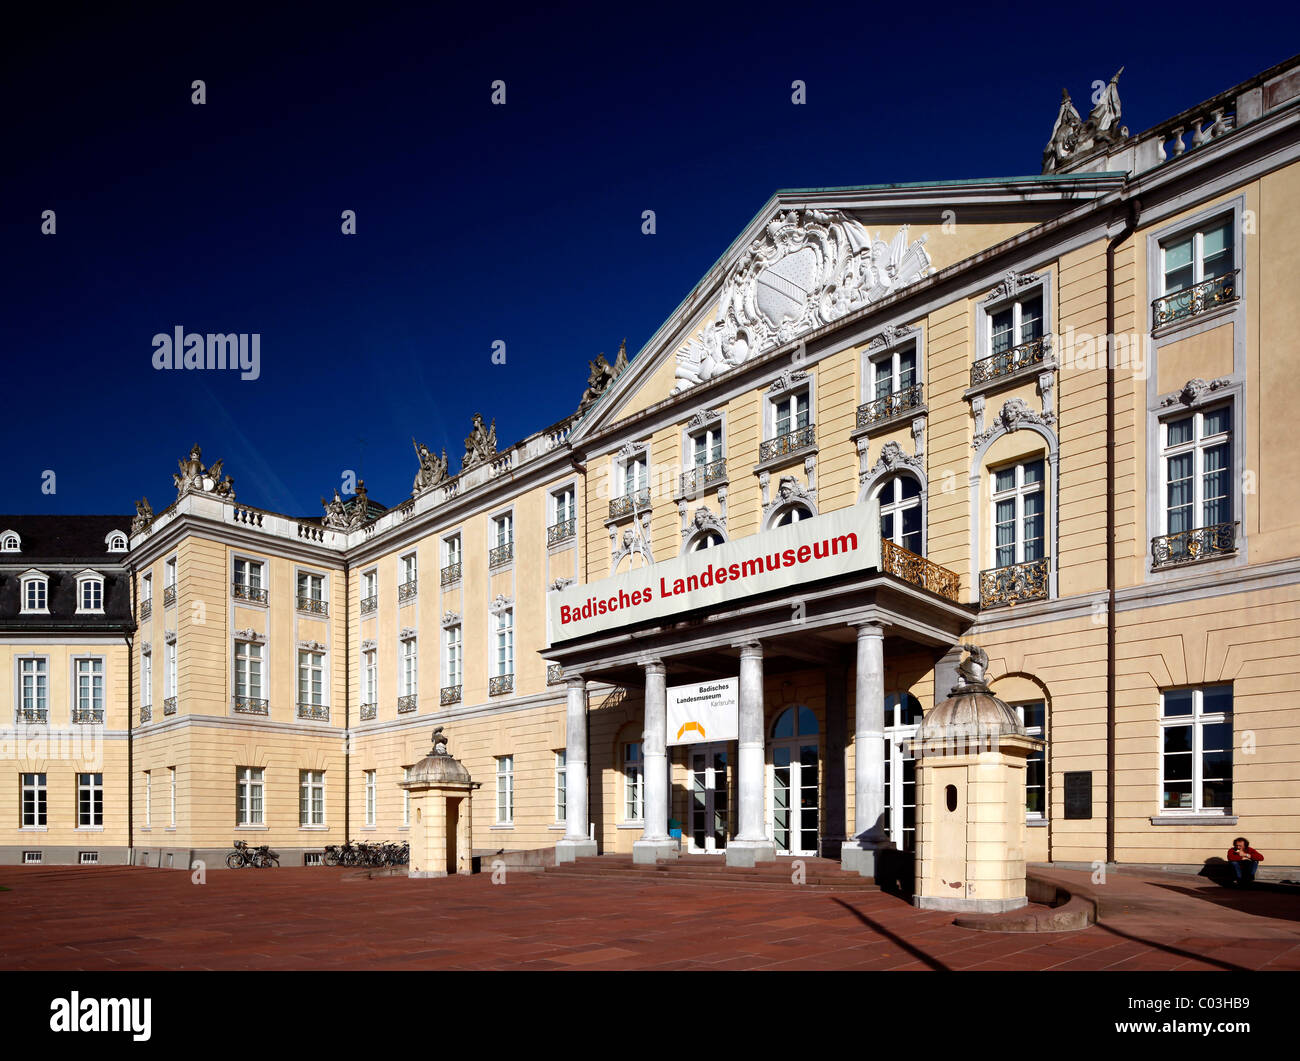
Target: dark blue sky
x=475, y=222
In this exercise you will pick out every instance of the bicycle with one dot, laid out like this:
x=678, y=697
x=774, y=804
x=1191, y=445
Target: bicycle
x=261, y=857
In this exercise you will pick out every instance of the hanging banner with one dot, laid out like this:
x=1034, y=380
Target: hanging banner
x=704, y=712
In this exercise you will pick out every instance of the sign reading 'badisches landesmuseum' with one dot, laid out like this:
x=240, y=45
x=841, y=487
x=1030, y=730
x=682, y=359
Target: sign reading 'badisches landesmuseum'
x=822, y=547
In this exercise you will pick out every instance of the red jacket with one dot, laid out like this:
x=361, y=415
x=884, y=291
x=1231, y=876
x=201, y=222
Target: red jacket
x=1236, y=856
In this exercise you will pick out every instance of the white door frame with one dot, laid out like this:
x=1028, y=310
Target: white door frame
x=712, y=786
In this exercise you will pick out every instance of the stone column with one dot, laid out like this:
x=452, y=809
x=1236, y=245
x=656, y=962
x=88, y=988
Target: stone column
x=577, y=842
x=655, y=842
x=869, y=836
x=751, y=844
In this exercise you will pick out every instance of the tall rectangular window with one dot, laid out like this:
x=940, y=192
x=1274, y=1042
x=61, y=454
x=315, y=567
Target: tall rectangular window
x=1198, y=469
x=33, y=801
x=146, y=589
x=563, y=506
x=790, y=413
x=893, y=372
x=633, y=783
x=505, y=790
x=146, y=679
x=561, y=787
x=409, y=570
x=503, y=529
x=169, y=676
x=369, y=585
x=406, y=796
x=451, y=551
x=148, y=799
x=1197, y=256
x=371, y=789
x=248, y=795
x=169, y=574
x=90, y=595
x=1196, y=750
x=1018, y=513
x=452, y=654
x=1034, y=717
x=248, y=670
x=1017, y=322
x=34, y=688
x=171, y=787
x=311, y=678
x=248, y=574
x=370, y=676
x=504, y=661
x=35, y=594
x=636, y=474
x=706, y=445
x=311, y=797
x=90, y=689
x=410, y=666
x=90, y=801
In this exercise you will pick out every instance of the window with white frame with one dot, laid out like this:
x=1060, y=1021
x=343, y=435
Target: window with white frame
x=311, y=797
x=505, y=789
x=1019, y=513
x=90, y=593
x=1033, y=716
x=148, y=799
x=792, y=514
x=371, y=790
x=1196, y=750
x=89, y=689
x=311, y=677
x=169, y=573
x=146, y=589
x=311, y=591
x=636, y=473
x=410, y=666
x=370, y=585
x=10, y=542
x=248, y=670
x=169, y=671
x=563, y=505
x=893, y=371
x=34, y=688
x=451, y=551
x=171, y=785
x=561, y=787
x=146, y=678
x=35, y=593
x=708, y=540
x=1016, y=322
x=789, y=413
x=90, y=801
x=1197, y=462
x=1194, y=257
x=504, y=657
x=248, y=575
x=117, y=542
x=900, y=512
x=248, y=795
x=453, y=657
x=503, y=529
x=409, y=569
x=370, y=676
x=34, y=807
x=633, y=783
x=705, y=445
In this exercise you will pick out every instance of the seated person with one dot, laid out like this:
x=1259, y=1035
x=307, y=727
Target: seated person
x=1243, y=859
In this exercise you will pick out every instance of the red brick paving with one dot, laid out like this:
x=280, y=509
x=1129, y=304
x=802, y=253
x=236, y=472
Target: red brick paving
x=136, y=918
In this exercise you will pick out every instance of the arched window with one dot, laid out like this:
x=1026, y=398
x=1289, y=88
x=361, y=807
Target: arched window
x=793, y=514
x=901, y=512
x=10, y=542
x=116, y=542
x=707, y=540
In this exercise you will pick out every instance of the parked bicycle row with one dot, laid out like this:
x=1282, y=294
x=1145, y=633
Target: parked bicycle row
x=361, y=854
x=258, y=857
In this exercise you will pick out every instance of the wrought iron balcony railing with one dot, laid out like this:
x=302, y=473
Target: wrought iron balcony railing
x=369, y=604
x=315, y=712
x=146, y=713
x=907, y=565
x=637, y=500
x=407, y=704
x=88, y=716
x=169, y=706
x=369, y=711
x=146, y=609
x=561, y=531
x=554, y=673
x=251, y=705
x=501, y=554
x=1217, y=291
x=889, y=406
x=501, y=684
x=243, y=591
x=1008, y=362
x=1014, y=583
x=406, y=591
x=450, y=695
x=311, y=604
x=451, y=573
x=169, y=596
x=702, y=476
x=1185, y=547
x=791, y=442
x=33, y=714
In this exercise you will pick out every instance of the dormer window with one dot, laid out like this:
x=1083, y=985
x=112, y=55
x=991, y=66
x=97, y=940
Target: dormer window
x=90, y=593
x=116, y=542
x=35, y=592
x=10, y=542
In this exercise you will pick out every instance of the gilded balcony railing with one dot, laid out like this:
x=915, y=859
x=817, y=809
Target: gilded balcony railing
x=791, y=442
x=88, y=716
x=907, y=565
x=889, y=406
x=1014, y=583
x=169, y=706
x=561, y=531
x=407, y=704
x=702, y=476
x=501, y=554
x=450, y=695
x=243, y=591
x=1217, y=291
x=451, y=573
x=251, y=705
x=316, y=712
x=369, y=711
x=169, y=596
x=1034, y=352
x=637, y=500
x=554, y=673
x=501, y=684
x=311, y=604
x=369, y=604
x=406, y=591
x=1203, y=543
x=33, y=714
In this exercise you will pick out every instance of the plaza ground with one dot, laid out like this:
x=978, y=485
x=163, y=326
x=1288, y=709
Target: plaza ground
x=109, y=918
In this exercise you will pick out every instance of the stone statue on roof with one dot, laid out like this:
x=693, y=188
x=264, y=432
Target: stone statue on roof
x=433, y=470
x=480, y=445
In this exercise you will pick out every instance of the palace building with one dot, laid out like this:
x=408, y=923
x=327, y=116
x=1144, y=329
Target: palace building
x=1044, y=415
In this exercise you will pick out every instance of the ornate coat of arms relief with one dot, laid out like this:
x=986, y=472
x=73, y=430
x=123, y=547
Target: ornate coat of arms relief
x=804, y=272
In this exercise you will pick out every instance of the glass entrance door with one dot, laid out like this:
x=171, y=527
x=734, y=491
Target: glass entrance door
x=794, y=779
x=710, y=798
x=902, y=718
